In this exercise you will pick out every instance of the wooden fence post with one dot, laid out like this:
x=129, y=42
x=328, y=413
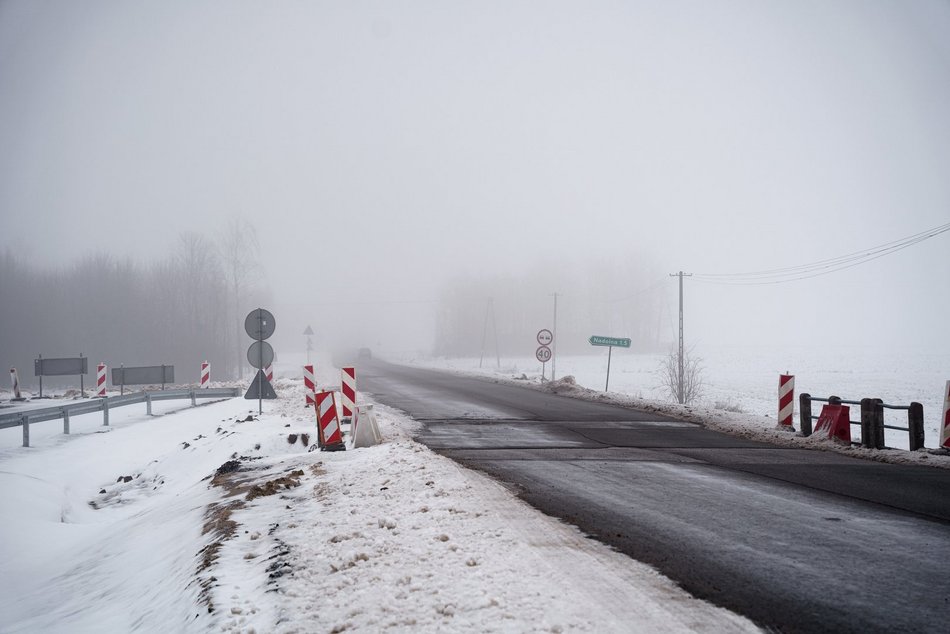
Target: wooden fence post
x=867, y=422
x=804, y=413
x=915, y=426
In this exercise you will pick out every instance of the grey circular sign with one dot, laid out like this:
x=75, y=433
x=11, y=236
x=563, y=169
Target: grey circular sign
x=259, y=323
x=260, y=355
x=543, y=354
x=545, y=337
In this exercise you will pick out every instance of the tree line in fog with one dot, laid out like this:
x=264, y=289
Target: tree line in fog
x=622, y=299
x=179, y=310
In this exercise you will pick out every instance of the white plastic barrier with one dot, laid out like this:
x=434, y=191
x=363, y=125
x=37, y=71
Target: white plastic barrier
x=365, y=431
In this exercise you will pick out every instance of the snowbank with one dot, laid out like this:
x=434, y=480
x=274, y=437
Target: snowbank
x=212, y=518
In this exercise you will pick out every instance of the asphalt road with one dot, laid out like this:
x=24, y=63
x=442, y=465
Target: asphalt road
x=796, y=540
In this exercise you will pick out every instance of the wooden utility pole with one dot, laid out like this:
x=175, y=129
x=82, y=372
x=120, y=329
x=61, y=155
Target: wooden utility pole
x=490, y=312
x=680, y=384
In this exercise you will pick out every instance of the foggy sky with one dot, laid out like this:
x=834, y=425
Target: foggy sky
x=381, y=148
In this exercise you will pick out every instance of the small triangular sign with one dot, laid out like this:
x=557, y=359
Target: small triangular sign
x=260, y=387
x=308, y=331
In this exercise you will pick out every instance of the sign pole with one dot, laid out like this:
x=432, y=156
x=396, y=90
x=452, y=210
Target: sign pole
x=610, y=350
x=542, y=371
x=260, y=357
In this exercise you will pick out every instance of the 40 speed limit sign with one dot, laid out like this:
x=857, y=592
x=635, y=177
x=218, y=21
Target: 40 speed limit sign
x=543, y=353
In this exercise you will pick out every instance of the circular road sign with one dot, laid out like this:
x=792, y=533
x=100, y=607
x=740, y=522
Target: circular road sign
x=543, y=353
x=260, y=355
x=259, y=323
x=545, y=337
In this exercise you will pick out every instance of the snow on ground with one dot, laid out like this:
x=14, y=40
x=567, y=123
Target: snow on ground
x=208, y=519
x=741, y=388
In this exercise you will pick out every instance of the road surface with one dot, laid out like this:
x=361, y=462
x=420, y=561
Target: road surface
x=796, y=540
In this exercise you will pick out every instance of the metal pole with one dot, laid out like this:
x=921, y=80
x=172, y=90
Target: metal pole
x=610, y=350
x=122, y=383
x=82, y=385
x=260, y=363
x=554, y=351
x=41, y=375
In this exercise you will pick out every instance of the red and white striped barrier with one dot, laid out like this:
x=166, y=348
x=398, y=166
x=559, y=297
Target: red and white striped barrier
x=786, y=400
x=328, y=425
x=348, y=390
x=101, y=371
x=945, y=433
x=205, y=374
x=269, y=373
x=15, y=380
x=309, y=384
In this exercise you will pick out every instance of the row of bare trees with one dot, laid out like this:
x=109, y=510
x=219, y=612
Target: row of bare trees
x=179, y=310
x=624, y=299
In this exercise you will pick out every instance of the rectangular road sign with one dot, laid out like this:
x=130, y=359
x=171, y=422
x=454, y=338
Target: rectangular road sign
x=61, y=367
x=620, y=342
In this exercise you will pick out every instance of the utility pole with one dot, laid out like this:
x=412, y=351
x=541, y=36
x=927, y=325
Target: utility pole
x=490, y=312
x=554, y=351
x=680, y=392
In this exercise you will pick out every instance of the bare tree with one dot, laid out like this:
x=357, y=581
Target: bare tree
x=240, y=252
x=668, y=374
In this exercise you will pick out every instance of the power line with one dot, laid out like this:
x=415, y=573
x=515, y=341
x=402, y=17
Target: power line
x=821, y=267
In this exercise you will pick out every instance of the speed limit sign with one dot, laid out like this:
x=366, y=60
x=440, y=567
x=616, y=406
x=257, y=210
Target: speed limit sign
x=545, y=337
x=543, y=353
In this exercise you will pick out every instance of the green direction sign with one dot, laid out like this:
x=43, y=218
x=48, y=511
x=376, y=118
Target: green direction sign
x=619, y=342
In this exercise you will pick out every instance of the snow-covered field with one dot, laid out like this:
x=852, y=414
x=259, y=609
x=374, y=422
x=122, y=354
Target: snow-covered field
x=746, y=379
x=137, y=527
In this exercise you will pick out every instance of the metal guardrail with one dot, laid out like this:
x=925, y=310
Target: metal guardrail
x=25, y=418
x=872, y=420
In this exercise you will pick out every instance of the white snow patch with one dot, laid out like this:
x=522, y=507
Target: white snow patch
x=388, y=537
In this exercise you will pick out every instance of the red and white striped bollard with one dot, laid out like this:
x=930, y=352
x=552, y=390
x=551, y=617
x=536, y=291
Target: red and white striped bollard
x=15, y=381
x=205, y=380
x=328, y=425
x=945, y=432
x=348, y=390
x=269, y=373
x=309, y=384
x=101, y=371
x=786, y=400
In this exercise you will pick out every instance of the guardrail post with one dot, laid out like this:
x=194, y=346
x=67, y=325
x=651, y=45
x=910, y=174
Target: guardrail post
x=877, y=422
x=148, y=403
x=65, y=421
x=25, y=423
x=804, y=413
x=834, y=400
x=867, y=422
x=915, y=426
x=105, y=411
x=193, y=403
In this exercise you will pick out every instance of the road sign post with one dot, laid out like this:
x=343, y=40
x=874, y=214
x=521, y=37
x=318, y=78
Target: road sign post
x=610, y=342
x=544, y=337
x=259, y=325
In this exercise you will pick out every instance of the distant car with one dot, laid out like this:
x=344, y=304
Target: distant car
x=364, y=353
